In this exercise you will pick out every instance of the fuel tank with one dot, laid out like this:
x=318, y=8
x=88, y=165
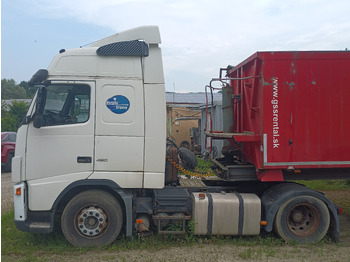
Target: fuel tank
x=226, y=213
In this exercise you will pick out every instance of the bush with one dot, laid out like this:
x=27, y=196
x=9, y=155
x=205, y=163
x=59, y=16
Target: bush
x=12, y=115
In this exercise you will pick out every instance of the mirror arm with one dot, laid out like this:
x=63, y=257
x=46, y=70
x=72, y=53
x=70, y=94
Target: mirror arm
x=28, y=119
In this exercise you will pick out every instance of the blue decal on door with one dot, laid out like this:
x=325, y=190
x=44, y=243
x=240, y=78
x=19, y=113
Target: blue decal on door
x=118, y=104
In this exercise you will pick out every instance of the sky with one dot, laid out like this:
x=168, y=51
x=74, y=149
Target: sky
x=198, y=37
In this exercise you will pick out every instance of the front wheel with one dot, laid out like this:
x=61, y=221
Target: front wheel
x=304, y=219
x=92, y=218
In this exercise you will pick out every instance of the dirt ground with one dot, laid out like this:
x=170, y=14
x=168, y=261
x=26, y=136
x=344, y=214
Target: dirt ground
x=213, y=252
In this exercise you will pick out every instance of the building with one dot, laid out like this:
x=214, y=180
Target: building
x=184, y=117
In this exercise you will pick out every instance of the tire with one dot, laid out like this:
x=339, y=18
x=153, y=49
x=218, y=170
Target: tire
x=8, y=167
x=189, y=160
x=304, y=219
x=171, y=142
x=185, y=144
x=92, y=218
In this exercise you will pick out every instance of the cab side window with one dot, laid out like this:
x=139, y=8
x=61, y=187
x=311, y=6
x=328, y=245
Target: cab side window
x=66, y=104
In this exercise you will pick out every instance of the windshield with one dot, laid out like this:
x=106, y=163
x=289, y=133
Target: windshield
x=66, y=104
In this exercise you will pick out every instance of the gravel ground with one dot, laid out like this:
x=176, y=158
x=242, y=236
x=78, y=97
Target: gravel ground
x=208, y=252
x=6, y=192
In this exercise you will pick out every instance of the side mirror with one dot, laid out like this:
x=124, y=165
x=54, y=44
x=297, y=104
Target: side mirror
x=38, y=121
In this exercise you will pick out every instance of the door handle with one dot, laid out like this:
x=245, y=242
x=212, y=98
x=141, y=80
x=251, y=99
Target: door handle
x=84, y=159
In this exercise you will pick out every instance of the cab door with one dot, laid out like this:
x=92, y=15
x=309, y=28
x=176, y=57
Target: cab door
x=120, y=132
x=61, y=148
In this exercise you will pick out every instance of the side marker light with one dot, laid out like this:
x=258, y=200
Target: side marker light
x=263, y=223
x=18, y=191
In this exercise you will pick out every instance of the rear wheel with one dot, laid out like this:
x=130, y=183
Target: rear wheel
x=304, y=219
x=92, y=218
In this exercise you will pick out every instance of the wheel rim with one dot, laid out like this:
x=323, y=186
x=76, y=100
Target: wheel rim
x=91, y=221
x=303, y=220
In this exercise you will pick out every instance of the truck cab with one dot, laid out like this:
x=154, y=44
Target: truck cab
x=98, y=117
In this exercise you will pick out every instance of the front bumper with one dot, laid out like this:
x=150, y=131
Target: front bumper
x=37, y=222
x=29, y=221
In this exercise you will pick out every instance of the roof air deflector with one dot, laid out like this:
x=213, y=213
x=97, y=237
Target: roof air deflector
x=129, y=48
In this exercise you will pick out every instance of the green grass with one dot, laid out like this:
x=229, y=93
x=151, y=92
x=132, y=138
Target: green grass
x=30, y=246
x=203, y=167
x=324, y=185
x=21, y=246
x=17, y=242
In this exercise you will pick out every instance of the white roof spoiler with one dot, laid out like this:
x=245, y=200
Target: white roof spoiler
x=150, y=34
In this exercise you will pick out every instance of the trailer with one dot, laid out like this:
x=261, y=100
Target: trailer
x=286, y=113
x=92, y=148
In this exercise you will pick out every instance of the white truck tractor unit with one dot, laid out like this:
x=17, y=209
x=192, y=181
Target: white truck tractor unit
x=91, y=150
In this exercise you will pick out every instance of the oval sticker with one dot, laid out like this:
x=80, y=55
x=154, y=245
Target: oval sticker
x=118, y=104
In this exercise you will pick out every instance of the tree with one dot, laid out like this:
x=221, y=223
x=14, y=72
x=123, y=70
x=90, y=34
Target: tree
x=30, y=90
x=10, y=90
x=12, y=115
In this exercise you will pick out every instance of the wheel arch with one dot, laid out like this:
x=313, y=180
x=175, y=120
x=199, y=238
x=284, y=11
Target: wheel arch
x=275, y=196
x=124, y=197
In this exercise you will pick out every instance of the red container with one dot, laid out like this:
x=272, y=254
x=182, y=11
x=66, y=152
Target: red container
x=293, y=109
